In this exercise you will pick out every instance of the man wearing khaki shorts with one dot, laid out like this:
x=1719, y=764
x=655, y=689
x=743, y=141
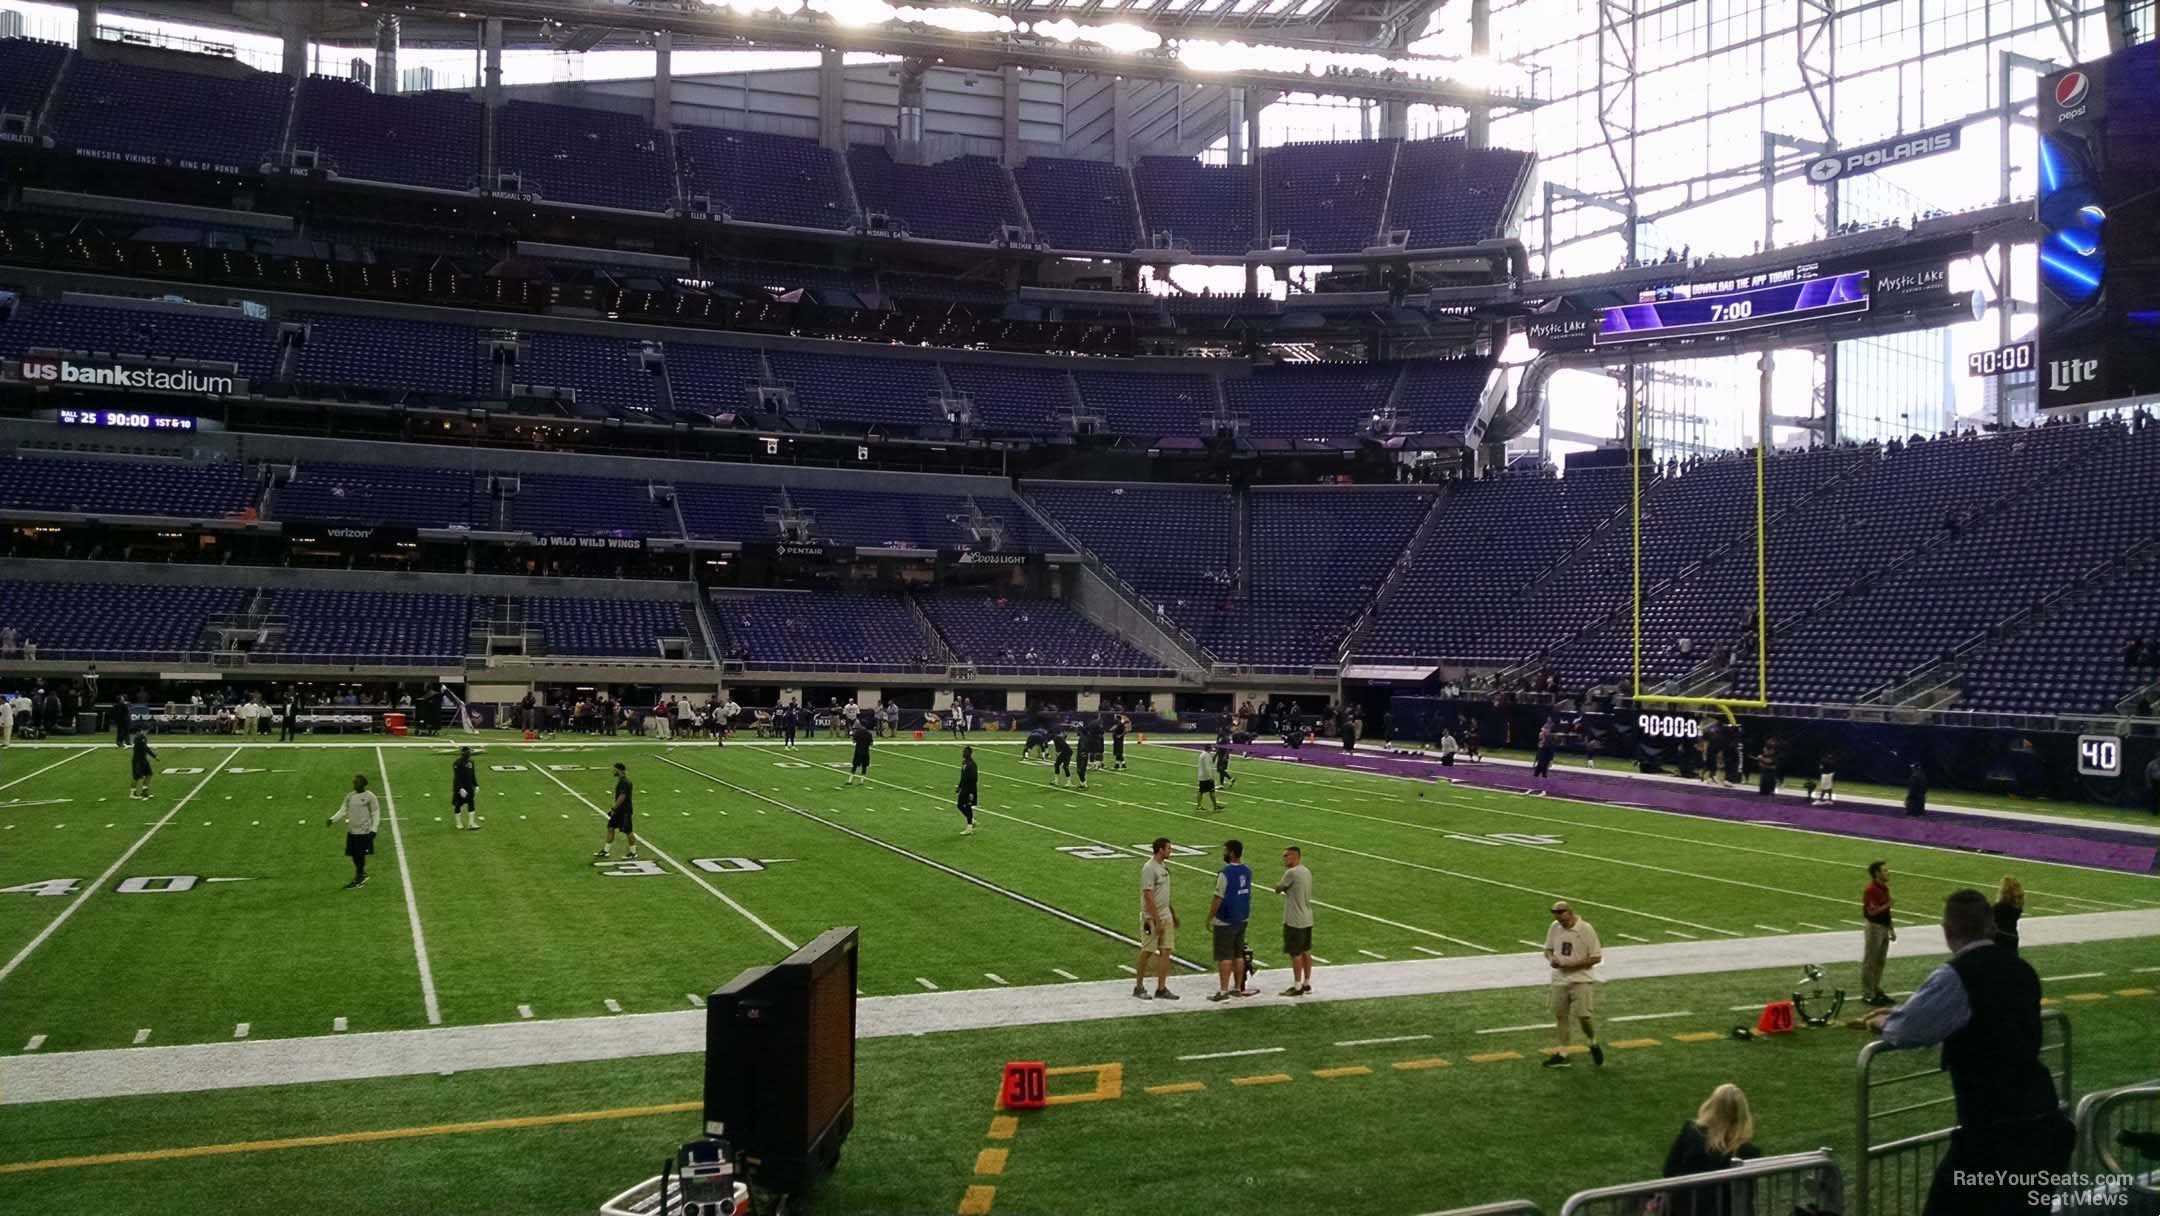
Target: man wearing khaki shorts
x=1158, y=923
x=1571, y=947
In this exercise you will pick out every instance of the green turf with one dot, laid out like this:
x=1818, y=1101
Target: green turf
x=518, y=915
x=517, y=918
x=1389, y=1143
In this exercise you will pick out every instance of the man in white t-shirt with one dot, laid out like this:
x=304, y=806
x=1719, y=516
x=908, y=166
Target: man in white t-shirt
x=1158, y=923
x=1571, y=947
x=1207, y=781
x=361, y=813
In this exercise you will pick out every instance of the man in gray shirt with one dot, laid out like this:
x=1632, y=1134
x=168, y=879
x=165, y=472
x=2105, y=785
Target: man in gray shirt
x=1296, y=889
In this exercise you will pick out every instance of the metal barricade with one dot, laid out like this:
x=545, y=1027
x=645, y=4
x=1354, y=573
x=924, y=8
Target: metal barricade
x=1767, y=1186
x=1891, y=1174
x=2113, y=1177
x=1505, y=1207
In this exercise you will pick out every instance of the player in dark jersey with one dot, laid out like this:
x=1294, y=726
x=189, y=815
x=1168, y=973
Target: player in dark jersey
x=1085, y=749
x=1117, y=742
x=621, y=816
x=139, y=766
x=464, y=785
x=859, y=766
x=790, y=719
x=965, y=794
x=1038, y=743
x=1061, y=771
x=1222, y=765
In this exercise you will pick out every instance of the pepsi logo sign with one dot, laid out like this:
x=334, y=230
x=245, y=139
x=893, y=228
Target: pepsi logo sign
x=2071, y=89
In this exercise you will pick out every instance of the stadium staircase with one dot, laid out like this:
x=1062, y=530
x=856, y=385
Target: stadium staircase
x=1413, y=554
x=940, y=649
x=847, y=194
x=45, y=107
x=1117, y=607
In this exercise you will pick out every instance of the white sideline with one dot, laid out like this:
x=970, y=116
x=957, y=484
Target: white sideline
x=231, y=1065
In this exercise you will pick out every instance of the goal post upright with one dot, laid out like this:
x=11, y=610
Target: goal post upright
x=1723, y=705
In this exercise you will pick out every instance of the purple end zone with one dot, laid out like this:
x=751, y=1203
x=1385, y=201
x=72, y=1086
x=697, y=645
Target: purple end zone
x=2070, y=843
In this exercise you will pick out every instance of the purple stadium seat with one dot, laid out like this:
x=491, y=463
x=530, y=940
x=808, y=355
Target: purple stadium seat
x=27, y=69
x=191, y=489
x=1317, y=401
x=1148, y=404
x=606, y=627
x=997, y=632
x=967, y=198
x=373, y=494
x=571, y=154
x=107, y=621
x=1209, y=206
x=50, y=324
x=1015, y=400
x=413, y=139
x=392, y=356
x=230, y=122
x=560, y=504
x=845, y=388
x=759, y=178
x=1447, y=193
x=1079, y=204
x=824, y=630
x=1327, y=196
x=317, y=626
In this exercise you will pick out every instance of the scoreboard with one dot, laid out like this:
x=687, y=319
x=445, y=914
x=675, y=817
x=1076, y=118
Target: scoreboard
x=1729, y=312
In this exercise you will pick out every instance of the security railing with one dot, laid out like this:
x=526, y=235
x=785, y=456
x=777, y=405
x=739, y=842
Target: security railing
x=1914, y=1113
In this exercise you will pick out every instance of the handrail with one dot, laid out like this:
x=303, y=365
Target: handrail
x=1815, y=1166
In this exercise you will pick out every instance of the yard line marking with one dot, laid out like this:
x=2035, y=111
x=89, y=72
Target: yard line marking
x=1758, y=1004
x=1072, y=835
x=240, y=1030
x=941, y=867
x=1067, y=974
x=613, y=1005
x=1632, y=1044
x=399, y=1133
x=67, y=759
x=1772, y=928
x=1808, y=924
x=1494, y=1057
x=1272, y=1078
x=1652, y=1017
x=1127, y=969
x=1677, y=933
x=1231, y=1055
x=926, y=983
x=114, y=868
x=696, y=1001
x=524, y=1011
x=36, y=1041
x=1181, y=1087
x=142, y=1036
x=1351, y=1070
x=1419, y=1065
x=1698, y=1036
x=1393, y=1038
x=1516, y=1029
x=1218, y=823
x=1323, y=962
x=994, y=977
x=1631, y=937
x=1428, y=950
x=1370, y=953
x=1533, y=945
x=687, y=872
x=412, y=905
x=338, y=1025
x=2075, y=975
x=2145, y=968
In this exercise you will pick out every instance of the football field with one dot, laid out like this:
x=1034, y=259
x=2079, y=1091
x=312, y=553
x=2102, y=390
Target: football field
x=217, y=912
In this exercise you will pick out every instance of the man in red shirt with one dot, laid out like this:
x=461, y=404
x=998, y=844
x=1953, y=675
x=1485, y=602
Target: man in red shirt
x=1878, y=933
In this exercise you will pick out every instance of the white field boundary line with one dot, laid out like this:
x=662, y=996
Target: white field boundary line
x=129, y=1071
x=686, y=871
x=1556, y=850
x=1275, y=772
x=412, y=903
x=1254, y=830
x=1182, y=864
x=114, y=868
x=48, y=768
x=972, y=879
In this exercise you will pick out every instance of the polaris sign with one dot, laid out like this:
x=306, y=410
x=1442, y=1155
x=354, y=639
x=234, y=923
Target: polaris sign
x=1852, y=162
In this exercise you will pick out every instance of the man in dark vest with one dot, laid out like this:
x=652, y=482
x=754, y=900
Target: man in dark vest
x=1983, y=1006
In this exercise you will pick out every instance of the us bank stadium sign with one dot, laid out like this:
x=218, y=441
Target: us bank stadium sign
x=181, y=381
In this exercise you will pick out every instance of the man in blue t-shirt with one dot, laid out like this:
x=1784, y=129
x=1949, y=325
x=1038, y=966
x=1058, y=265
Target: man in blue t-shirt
x=1227, y=915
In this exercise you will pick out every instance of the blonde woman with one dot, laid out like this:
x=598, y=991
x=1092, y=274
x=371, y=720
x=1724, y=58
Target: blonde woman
x=1721, y=1135
x=2009, y=907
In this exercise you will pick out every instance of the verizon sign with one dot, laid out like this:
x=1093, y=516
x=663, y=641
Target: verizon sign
x=185, y=381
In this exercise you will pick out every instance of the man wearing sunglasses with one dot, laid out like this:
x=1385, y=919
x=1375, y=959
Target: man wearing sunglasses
x=1571, y=947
